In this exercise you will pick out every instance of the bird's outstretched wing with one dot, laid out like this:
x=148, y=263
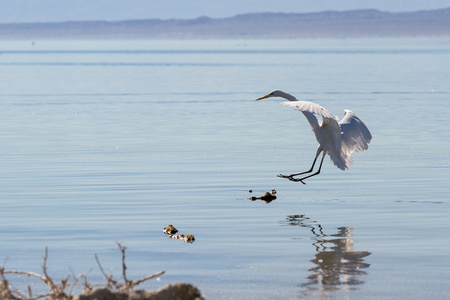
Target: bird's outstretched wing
x=310, y=107
x=354, y=133
x=333, y=148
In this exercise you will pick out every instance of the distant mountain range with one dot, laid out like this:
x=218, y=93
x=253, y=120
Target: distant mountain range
x=328, y=24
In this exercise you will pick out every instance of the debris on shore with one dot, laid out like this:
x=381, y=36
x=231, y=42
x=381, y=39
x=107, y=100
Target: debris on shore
x=114, y=289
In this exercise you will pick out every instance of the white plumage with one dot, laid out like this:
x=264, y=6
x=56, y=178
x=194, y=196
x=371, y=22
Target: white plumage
x=338, y=140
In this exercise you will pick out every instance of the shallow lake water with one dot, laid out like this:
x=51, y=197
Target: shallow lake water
x=110, y=141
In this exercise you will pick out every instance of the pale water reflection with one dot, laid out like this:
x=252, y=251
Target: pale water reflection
x=336, y=264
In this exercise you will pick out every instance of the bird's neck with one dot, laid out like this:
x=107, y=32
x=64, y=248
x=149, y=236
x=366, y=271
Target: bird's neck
x=287, y=96
x=311, y=117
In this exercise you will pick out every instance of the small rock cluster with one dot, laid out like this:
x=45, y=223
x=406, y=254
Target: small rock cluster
x=267, y=197
x=171, y=231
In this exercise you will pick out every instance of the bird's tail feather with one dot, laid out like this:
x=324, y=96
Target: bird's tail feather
x=342, y=161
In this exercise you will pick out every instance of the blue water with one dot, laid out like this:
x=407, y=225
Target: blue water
x=106, y=142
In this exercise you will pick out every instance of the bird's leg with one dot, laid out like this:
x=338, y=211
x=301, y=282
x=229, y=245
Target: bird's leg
x=303, y=178
x=309, y=171
x=296, y=174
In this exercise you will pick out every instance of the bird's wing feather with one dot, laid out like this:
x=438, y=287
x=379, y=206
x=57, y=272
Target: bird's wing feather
x=333, y=129
x=339, y=160
x=355, y=135
x=312, y=108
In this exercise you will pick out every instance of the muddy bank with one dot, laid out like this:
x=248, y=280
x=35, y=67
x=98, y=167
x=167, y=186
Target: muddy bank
x=178, y=291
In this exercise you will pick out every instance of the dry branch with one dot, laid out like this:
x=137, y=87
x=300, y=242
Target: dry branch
x=64, y=289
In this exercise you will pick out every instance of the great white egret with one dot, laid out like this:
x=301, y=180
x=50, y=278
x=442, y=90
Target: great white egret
x=338, y=140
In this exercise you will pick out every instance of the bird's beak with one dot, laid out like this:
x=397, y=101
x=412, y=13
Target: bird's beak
x=263, y=97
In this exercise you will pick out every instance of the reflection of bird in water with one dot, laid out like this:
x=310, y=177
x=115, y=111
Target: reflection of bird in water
x=338, y=140
x=337, y=265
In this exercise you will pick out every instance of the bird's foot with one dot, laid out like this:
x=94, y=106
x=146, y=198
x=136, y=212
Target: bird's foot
x=297, y=180
x=284, y=176
x=291, y=178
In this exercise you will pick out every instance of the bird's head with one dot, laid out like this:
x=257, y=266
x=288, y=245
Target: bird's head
x=278, y=93
x=274, y=93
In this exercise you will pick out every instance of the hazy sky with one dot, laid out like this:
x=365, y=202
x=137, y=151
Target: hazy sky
x=74, y=10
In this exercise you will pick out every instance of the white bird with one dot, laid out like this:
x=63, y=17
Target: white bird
x=338, y=140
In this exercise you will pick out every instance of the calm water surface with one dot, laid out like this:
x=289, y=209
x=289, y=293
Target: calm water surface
x=105, y=142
